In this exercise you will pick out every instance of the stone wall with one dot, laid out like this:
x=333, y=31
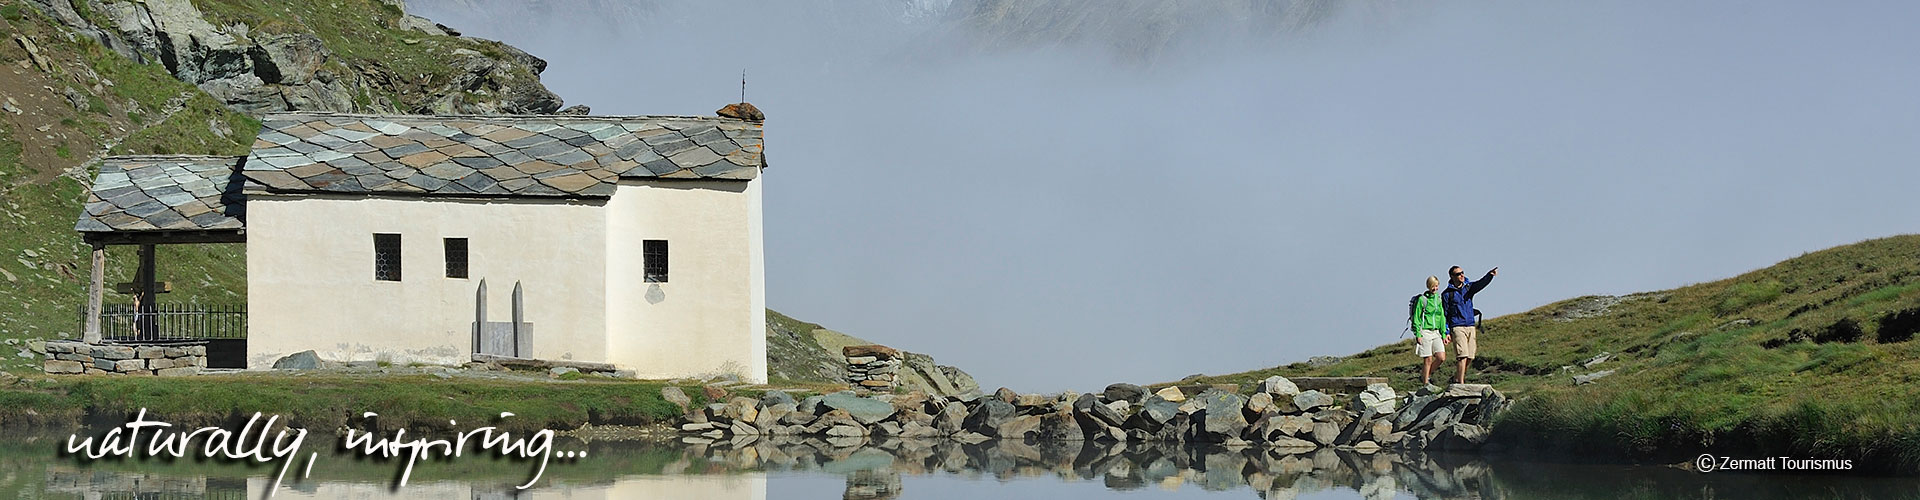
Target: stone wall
x=872, y=367
x=75, y=357
x=1276, y=414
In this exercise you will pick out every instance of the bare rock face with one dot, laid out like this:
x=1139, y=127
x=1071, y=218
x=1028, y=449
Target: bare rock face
x=256, y=73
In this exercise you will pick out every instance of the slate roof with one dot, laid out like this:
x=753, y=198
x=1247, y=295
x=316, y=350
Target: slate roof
x=540, y=156
x=165, y=193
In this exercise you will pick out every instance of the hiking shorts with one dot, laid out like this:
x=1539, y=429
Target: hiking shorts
x=1428, y=343
x=1464, y=345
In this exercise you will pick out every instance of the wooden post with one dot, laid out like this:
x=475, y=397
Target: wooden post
x=94, y=289
x=519, y=315
x=479, y=314
x=149, y=298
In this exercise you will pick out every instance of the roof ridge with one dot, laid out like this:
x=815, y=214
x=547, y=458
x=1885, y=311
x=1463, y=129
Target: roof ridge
x=328, y=114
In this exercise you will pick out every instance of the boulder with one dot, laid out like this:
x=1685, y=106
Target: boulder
x=950, y=421
x=867, y=411
x=811, y=404
x=1017, y=427
x=989, y=416
x=1279, y=387
x=1124, y=392
x=1261, y=403
x=1460, y=437
x=830, y=419
x=741, y=409
x=1378, y=398
x=1059, y=426
x=303, y=360
x=1171, y=394
x=776, y=397
x=676, y=396
x=714, y=392
x=1311, y=400
x=770, y=416
x=1006, y=395
x=875, y=350
x=1107, y=415
x=846, y=431
x=796, y=417
x=1223, y=417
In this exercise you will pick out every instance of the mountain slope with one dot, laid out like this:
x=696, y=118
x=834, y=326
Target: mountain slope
x=1813, y=358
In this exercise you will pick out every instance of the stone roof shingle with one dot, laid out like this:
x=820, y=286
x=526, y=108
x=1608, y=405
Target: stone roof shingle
x=165, y=193
x=543, y=156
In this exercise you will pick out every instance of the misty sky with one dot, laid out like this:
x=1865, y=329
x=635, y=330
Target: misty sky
x=1056, y=216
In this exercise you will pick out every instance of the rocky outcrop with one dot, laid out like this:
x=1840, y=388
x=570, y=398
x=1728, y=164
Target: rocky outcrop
x=802, y=351
x=1454, y=419
x=258, y=72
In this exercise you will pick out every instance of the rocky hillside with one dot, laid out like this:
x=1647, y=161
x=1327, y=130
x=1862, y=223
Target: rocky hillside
x=1813, y=357
x=85, y=79
x=799, y=351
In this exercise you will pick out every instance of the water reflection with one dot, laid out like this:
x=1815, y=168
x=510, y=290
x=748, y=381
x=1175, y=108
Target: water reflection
x=888, y=469
x=1272, y=473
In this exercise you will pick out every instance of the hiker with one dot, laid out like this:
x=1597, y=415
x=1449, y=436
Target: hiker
x=1429, y=325
x=1458, y=302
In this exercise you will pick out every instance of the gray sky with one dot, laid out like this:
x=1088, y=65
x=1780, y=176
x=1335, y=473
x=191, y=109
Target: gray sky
x=1054, y=216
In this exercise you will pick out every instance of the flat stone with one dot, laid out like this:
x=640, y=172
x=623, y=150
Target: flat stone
x=61, y=366
x=1172, y=394
x=1311, y=400
x=866, y=411
x=303, y=360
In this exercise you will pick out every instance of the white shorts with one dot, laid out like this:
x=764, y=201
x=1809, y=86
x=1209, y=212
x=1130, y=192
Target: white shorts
x=1428, y=343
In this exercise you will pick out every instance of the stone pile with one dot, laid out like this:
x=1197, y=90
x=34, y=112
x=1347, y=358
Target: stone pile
x=872, y=367
x=1278, y=414
x=75, y=357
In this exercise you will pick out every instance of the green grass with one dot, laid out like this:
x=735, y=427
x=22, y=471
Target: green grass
x=1735, y=364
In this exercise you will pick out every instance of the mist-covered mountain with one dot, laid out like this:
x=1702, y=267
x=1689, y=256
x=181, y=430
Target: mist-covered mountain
x=1134, y=30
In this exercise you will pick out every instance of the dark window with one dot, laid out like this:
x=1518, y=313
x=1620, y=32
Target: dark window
x=456, y=257
x=386, y=257
x=655, y=252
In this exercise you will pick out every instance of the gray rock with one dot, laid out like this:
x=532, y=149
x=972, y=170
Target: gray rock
x=811, y=404
x=1589, y=378
x=951, y=420
x=1159, y=411
x=1058, y=427
x=866, y=411
x=991, y=413
x=679, y=398
x=1325, y=433
x=1460, y=437
x=290, y=58
x=1312, y=400
x=846, y=431
x=776, y=397
x=1124, y=392
x=1223, y=417
x=770, y=416
x=303, y=360
x=1279, y=387
x=1378, y=397
x=1018, y=427
x=561, y=370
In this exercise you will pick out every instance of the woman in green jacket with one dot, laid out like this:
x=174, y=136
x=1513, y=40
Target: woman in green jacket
x=1429, y=323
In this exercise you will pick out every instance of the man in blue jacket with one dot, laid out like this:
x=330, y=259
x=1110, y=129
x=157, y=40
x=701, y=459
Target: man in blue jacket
x=1458, y=302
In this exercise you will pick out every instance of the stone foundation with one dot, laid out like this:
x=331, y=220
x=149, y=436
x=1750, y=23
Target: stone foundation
x=173, y=358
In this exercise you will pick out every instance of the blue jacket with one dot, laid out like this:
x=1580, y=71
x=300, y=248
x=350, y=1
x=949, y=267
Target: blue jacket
x=1458, y=300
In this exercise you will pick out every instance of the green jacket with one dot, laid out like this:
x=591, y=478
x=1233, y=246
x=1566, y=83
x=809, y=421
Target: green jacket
x=1424, y=313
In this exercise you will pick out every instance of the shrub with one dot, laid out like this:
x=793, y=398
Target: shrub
x=1899, y=326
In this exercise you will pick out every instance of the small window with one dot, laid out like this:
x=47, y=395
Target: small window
x=655, y=252
x=386, y=257
x=456, y=257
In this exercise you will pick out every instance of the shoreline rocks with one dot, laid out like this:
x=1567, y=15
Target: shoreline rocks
x=1277, y=415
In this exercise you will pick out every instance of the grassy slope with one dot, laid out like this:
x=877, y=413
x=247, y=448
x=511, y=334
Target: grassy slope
x=1711, y=366
x=38, y=247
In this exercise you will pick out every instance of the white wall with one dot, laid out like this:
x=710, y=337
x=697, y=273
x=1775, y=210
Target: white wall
x=310, y=277
x=710, y=315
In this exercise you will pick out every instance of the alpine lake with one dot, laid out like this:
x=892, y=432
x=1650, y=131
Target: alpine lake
x=37, y=466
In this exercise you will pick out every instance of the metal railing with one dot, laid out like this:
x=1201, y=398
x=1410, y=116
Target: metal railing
x=123, y=322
